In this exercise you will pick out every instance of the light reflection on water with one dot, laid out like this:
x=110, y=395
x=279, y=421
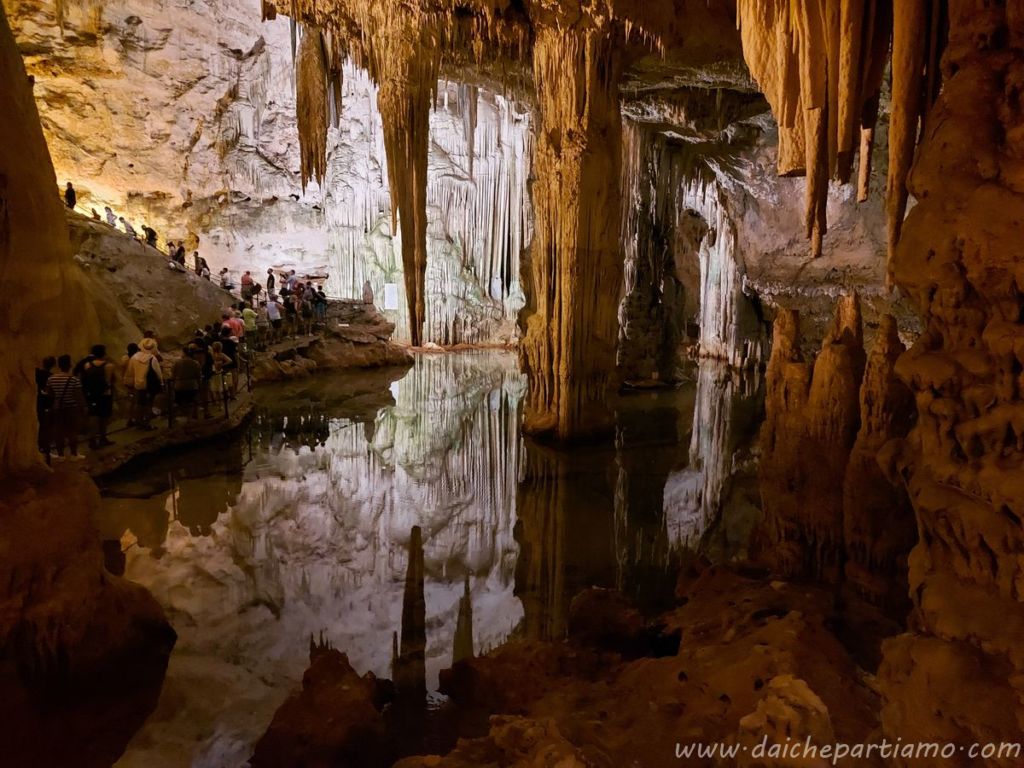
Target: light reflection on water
x=302, y=526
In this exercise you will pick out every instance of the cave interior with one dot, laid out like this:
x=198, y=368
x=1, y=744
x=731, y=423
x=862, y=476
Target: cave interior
x=689, y=410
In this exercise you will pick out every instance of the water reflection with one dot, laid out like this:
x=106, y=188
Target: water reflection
x=401, y=514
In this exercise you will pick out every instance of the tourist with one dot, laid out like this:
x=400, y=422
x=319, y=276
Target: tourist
x=147, y=381
x=271, y=281
x=95, y=214
x=247, y=286
x=128, y=228
x=44, y=402
x=188, y=374
x=229, y=346
x=156, y=341
x=111, y=218
x=65, y=391
x=97, y=378
x=274, y=316
x=126, y=365
x=179, y=253
x=225, y=280
x=320, y=305
x=150, y=235
x=262, y=326
x=233, y=324
x=367, y=293
x=224, y=364
x=203, y=356
x=70, y=196
x=249, y=324
x=257, y=290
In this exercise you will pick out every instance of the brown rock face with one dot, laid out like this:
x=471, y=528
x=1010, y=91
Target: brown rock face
x=810, y=425
x=82, y=653
x=961, y=261
x=879, y=528
x=334, y=720
x=831, y=510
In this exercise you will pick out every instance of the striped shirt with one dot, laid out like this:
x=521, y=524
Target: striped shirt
x=66, y=389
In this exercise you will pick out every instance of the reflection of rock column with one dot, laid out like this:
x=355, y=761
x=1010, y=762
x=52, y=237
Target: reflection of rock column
x=644, y=458
x=693, y=496
x=569, y=349
x=410, y=666
x=463, y=648
x=564, y=533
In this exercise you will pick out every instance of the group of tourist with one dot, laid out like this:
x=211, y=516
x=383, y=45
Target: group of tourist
x=285, y=305
x=72, y=399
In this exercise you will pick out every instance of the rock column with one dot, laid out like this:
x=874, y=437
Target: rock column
x=576, y=267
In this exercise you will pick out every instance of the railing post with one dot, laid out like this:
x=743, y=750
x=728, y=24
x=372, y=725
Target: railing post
x=224, y=392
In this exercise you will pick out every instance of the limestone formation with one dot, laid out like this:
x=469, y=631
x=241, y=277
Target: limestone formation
x=959, y=258
x=334, y=720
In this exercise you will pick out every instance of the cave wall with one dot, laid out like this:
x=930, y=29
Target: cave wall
x=216, y=161
x=960, y=259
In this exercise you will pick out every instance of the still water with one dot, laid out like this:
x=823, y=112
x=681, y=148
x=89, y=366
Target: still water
x=301, y=526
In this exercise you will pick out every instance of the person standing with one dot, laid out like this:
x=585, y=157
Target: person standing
x=274, y=316
x=367, y=293
x=111, y=218
x=70, y=196
x=249, y=324
x=128, y=228
x=247, y=286
x=68, y=404
x=44, y=404
x=147, y=381
x=98, y=387
x=271, y=281
x=188, y=375
x=320, y=302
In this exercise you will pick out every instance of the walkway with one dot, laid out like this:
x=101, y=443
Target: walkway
x=130, y=443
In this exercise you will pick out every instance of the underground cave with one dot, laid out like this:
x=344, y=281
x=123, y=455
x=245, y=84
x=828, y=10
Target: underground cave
x=511, y=383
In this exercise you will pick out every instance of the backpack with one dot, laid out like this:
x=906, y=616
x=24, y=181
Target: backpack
x=94, y=380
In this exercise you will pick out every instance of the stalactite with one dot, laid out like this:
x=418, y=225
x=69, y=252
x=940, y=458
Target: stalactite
x=311, y=106
x=820, y=65
x=569, y=349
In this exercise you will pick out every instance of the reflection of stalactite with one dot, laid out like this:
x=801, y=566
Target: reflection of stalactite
x=410, y=666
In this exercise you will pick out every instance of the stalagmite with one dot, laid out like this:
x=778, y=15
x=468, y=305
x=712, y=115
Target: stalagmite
x=878, y=522
x=811, y=421
x=569, y=349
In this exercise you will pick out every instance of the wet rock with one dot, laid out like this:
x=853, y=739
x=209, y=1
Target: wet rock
x=334, y=720
x=82, y=652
